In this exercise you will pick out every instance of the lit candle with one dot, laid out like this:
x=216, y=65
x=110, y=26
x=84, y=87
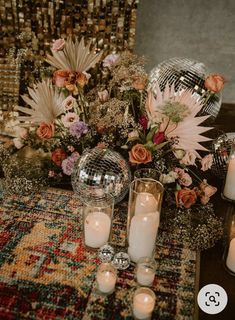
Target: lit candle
x=229, y=187
x=106, y=279
x=145, y=203
x=230, y=262
x=97, y=229
x=145, y=275
x=142, y=235
x=143, y=305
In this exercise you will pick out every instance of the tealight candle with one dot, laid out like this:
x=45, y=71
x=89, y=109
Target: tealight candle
x=97, y=229
x=143, y=303
x=230, y=261
x=106, y=278
x=145, y=271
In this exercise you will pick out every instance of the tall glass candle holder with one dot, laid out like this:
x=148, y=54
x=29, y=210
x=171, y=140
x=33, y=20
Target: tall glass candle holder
x=97, y=221
x=229, y=185
x=145, y=200
x=229, y=253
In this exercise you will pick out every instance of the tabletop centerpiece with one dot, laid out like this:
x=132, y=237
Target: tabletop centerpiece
x=92, y=100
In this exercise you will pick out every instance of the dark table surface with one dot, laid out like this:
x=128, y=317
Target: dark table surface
x=211, y=264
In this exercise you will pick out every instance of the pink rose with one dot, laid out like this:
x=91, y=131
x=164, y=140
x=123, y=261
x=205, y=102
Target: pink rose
x=159, y=137
x=188, y=159
x=206, y=162
x=58, y=45
x=69, y=103
x=183, y=177
x=69, y=118
x=110, y=60
x=23, y=133
x=45, y=130
x=214, y=82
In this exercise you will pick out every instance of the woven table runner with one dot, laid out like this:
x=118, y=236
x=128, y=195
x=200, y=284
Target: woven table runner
x=46, y=272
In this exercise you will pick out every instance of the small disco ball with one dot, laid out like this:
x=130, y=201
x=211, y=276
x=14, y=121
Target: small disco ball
x=221, y=149
x=100, y=171
x=186, y=74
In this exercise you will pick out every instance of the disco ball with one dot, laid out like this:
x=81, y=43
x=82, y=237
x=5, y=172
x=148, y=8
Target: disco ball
x=98, y=171
x=186, y=74
x=221, y=149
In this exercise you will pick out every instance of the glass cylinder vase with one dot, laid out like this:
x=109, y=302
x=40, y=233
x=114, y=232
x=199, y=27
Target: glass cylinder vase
x=97, y=221
x=229, y=185
x=145, y=200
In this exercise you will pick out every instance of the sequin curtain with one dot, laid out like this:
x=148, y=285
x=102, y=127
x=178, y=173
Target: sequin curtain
x=27, y=27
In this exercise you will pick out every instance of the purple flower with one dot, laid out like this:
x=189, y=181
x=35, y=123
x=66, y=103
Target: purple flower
x=78, y=128
x=110, y=60
x=68, y=163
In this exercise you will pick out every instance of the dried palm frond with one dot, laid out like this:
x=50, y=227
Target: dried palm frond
x=75, y=56
x=188, y=131
x=45, y=102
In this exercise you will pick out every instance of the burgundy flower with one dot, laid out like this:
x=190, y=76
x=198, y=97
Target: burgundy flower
x=159, y=137
x=143, y=121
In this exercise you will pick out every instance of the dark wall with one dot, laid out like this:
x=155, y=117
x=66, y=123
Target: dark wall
x=197, y=29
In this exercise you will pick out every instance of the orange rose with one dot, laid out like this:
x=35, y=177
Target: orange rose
x=139, y=83
x=59, y=78
x=139, y=154
x=45, y=130
x=185, y=197
x=58, y=155
x=214, y=83
x=82, y=80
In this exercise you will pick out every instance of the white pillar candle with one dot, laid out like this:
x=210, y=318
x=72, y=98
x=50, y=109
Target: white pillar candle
x=145, y=203
x=143, y=306
x=142, y=235
x=230, y=261
x=145, y=275
x=97, y=229
x=229, y=187
x=106, y=281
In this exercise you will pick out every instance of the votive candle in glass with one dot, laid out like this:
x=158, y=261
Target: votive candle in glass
x=145, y=271
x=143, y=303
x=106, y=278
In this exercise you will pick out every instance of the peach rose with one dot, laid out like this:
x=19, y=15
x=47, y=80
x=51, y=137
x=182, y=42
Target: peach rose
x=188, y=159
x=59, y=78
x=139, y=83
x=139, y=154
x=57, y=156
x=206, y=191
x=58, y=45
x=214, y=82
x=206, y=162
x=185, y=197
x=45, y=130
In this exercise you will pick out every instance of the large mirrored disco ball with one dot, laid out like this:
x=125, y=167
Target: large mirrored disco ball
x=221, y=148
x=186, y=74
x=98, y=171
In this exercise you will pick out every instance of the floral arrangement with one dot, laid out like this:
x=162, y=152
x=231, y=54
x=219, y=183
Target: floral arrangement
x=106, y=101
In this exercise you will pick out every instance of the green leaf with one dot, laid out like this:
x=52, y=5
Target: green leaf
x=151, y=134
x=159, y=146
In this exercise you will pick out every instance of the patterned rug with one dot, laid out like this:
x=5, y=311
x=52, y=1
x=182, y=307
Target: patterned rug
x=46, y=273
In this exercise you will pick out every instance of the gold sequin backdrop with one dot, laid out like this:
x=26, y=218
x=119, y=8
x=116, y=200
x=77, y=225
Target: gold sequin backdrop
x=27, y=27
